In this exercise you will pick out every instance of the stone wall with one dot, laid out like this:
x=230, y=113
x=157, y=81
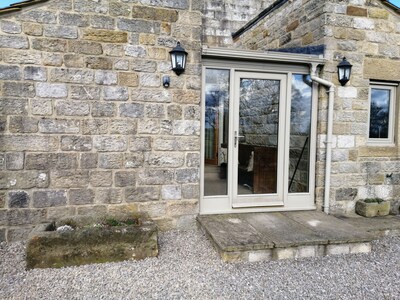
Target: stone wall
x=86, y=126
x=367, y=33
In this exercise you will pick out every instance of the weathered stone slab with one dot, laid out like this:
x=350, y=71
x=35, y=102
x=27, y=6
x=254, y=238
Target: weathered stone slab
x=329, y=227
x=232, y=233
x=48, y=248
x=283, y=231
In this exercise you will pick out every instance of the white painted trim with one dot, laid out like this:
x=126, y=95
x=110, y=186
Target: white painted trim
x=272, y=56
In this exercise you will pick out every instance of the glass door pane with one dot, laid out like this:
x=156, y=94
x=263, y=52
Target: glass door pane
x=300, y=130
x=216, y=132
x=258, y=136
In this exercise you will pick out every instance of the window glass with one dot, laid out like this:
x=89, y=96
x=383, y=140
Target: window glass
x=381, y=113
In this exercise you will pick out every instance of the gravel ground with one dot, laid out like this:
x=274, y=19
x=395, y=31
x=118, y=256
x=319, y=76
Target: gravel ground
x=189, y=268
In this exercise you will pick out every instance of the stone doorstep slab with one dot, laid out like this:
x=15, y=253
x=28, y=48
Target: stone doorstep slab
x=273, y=236
x=378, y=226
x=333, y=229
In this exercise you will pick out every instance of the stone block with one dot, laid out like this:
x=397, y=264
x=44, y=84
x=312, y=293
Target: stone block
x=153, y=13
x=52, y=59
x=139, y=65
x=171, y=192
x=378, y=13
x=10, y=106
x=103, y=22
x=29, y=143
x=356, y=11
x=116, y=93
x=182, y=207
x=10, y=27
x=128, y=79
x=135, y=51
x=14, y=160
x=9, y=72
x=110, y=143
x=148, y=126
x=155, y=176
x=193, y=160
x=58, y=126
x=23, y=180
x=49, y=198
x=134, y=160
x=141, y=26
x=283, y=253
x=155, y=110
x=125, y=179
x=131, y=110
x=142, y=193
x=190, y=191
x=79, y=92
x=101, y=179
x=186, y=97
x=188, y=175
x=140, y=144
x=81, y=196
x=123, y=126
x=109, y=196
x=64, y=32
x=2, y=199
x=88, y=160
x=105, y=36
x=35, y=73
x=192, y=113
x=3, y=235
x=18, y=89
x=165, y=159
x=103, y=63
x=49, y=45
x=364, y=23
x=46, y=161
x=18, y=199
x=32, y=29
x=174, y=112
x=176, y=144
x=372, y=209
x=95, y=126
x=93, y=211
x=74, y=61
x=103, y=109
x=88, y=6
x=14, y=42
x=111, y=160
x=120, y=9
x=17, y=217
x=18, y=233
x=76, y=143
x=259, y=255
x=346, y=194
x=69, y=178
x=335, y=249
x=69, y=75
x=39, y=16
x=306, y=251
x=149, y=80
x=51, y=90
x=121, y=64
x=105, y=77
x=60, y=212
x=72, y=19
x=151, y=95
x=383, y=69
x=3, y=123
x=23, y=125
x=360, y=247
x=85, y=47
x=74, y=108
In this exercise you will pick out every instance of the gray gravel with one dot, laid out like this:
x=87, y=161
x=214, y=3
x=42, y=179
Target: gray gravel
x=188, y=268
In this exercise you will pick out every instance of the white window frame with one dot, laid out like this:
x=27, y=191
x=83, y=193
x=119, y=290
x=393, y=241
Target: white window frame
x=389, y=141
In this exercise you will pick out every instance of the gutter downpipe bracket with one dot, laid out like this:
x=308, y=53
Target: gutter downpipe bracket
x=328, y=159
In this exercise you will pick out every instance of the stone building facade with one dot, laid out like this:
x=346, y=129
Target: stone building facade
x=87, y=128
x=367, y=33
x=86, y=125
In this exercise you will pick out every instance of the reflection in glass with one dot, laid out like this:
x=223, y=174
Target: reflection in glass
x=300, y=127
x=216, y=118
x=258, y=136
x=379, y=114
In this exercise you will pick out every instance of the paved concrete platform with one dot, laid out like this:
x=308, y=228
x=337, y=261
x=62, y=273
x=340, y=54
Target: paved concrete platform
x=283, y=235
x=378, y=226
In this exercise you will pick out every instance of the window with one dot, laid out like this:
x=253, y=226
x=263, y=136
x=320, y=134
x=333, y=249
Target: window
x=381, y=113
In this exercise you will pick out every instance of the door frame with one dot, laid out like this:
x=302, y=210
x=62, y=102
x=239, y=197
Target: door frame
x=267, y=62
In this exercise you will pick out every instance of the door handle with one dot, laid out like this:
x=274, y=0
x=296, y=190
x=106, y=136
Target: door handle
x=237, y=137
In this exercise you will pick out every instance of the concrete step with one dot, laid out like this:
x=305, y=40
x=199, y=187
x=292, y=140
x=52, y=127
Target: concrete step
x=282, y=235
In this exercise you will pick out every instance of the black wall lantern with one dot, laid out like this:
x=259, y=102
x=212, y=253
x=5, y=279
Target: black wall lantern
x=178, y=59
x=344, y=71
